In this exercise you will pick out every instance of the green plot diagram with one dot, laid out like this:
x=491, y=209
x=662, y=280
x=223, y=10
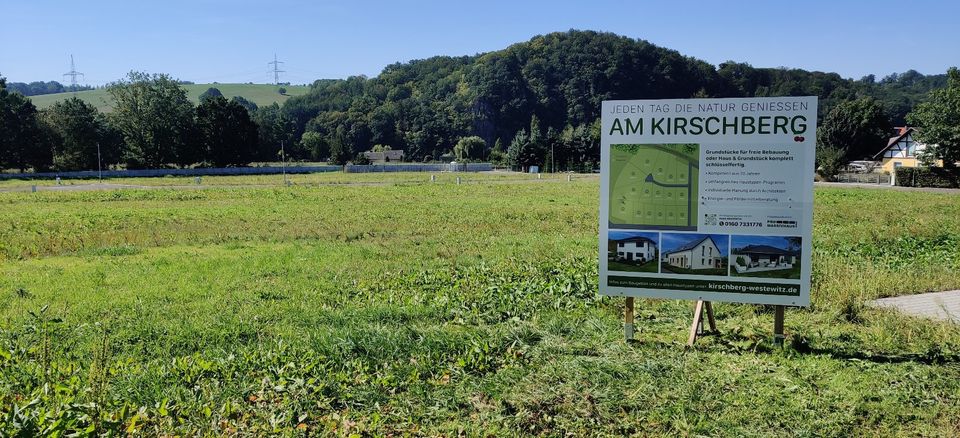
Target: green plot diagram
x=654, y=186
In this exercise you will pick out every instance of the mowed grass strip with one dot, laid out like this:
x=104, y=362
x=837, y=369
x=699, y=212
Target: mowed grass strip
x=443, y=309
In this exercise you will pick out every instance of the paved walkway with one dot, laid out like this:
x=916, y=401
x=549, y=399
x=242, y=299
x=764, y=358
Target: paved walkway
x=936, y=305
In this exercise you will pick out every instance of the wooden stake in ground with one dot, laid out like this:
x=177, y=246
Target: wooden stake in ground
x=696, y=328
x=778, y=336
x=628, y=319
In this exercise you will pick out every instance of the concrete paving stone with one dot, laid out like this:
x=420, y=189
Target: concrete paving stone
x=935, y=305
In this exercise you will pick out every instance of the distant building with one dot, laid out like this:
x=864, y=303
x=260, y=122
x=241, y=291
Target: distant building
x=901, y=150
x=698, y=254
x=391, y=156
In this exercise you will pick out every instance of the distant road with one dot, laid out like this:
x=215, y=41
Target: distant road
x=886, y=186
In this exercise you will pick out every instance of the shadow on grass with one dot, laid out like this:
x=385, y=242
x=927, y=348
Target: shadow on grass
x=933, y=356
x=734, y=342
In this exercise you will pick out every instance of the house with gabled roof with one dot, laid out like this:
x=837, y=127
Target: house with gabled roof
x=764, y=256
x=901, y=150
x=638, y=249
x=700, y=253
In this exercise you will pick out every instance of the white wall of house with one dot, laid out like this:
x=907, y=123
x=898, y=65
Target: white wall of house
x=907, y=147
x=679, y=259
x=763, y=259
x=706, y=255
x=642, y=251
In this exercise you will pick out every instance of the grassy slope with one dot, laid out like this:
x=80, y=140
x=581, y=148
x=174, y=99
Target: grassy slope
x=261, y=94
x=407, y=308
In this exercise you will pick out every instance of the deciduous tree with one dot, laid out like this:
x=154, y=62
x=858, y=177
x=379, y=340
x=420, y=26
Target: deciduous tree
x=938, y=121
x=227, y=135
x=858, y=127
x=24, y=143
x=156, y=119
x=79, y=128
x=470, y=148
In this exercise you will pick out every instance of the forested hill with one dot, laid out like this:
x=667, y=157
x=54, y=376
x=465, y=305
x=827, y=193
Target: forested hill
x=425, y=106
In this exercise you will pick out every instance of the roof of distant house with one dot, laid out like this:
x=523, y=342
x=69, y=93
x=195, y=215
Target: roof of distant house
x=693, y=244
x=763, y=249
x=636, y=239
x=902, y=133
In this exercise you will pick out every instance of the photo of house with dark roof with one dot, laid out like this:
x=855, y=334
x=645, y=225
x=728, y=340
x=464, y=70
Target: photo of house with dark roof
x=632, y=251
x=765, y=256
x=701, y=254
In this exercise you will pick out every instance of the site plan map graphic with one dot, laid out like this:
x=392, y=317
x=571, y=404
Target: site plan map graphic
x=654, y=186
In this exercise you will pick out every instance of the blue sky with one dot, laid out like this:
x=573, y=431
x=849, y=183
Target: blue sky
x=213, y=40
x=617, y=235
x=774, y=241
x=671, y=241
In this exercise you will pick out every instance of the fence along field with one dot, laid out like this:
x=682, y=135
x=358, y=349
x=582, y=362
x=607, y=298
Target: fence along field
x=437, y=308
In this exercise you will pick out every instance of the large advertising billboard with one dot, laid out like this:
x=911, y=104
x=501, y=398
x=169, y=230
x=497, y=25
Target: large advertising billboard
x=708, y=199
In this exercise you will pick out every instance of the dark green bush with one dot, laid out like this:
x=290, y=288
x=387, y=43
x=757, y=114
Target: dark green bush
x=928, y=177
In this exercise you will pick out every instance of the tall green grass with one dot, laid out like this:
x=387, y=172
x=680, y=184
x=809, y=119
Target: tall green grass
x=410, y=307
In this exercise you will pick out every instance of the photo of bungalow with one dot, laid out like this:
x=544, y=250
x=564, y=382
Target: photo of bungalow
x=700, y=254
x=765, y=256
x=632, y=251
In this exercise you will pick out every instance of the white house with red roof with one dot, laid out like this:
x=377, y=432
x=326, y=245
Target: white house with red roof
x=901, y=150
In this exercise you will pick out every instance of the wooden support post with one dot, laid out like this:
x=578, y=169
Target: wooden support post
x=696, y=328
x=710, y=318
x=628, y=319
x=778, y=336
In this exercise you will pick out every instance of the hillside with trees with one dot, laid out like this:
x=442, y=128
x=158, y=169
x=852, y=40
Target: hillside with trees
x=533, y=103
x=544, y=95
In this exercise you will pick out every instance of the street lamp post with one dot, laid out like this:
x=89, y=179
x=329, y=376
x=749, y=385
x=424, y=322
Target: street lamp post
x=283, y=163
x=99, y=164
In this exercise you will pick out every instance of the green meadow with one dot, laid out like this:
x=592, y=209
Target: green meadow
x=386, y=304
x=260, y=94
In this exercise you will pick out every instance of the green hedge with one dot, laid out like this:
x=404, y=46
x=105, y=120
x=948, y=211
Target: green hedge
x=928, y=177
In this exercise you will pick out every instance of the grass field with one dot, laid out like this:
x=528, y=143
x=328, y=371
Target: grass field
x=260, y=94
x=367, y=307
x=650, y=266
x=666, y=267
x=793, y=272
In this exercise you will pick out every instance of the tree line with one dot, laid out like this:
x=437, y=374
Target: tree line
x=538, y=102
x=37, y=88
x=533, y=103
x=153, y=125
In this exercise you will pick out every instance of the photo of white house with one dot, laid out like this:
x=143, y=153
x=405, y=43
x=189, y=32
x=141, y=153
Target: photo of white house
x=701, y=254
x=765, y=256
x=632, y=251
